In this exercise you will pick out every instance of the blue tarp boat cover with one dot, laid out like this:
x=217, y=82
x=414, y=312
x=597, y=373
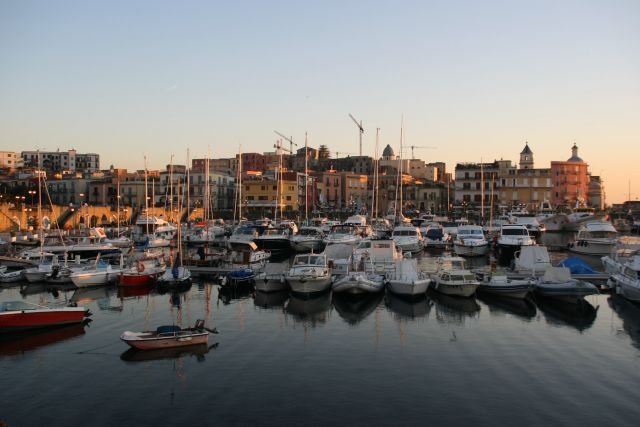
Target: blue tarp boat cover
x=576, y=265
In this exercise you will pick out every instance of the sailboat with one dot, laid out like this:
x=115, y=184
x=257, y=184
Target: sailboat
x=178, y=273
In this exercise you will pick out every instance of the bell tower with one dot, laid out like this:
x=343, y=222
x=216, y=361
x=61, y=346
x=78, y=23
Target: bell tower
x=526, y=157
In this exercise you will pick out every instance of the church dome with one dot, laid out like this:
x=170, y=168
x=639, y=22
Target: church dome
x=574, y=155
x=388, y=152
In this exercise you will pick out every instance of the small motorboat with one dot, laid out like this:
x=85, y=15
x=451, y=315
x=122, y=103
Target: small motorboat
x=407, y=279
x=169, y=336
x=557, y=283
x=501, y=285
x=18, y=315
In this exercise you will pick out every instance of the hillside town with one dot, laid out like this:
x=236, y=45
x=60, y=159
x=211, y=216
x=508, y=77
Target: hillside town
x=274, y=182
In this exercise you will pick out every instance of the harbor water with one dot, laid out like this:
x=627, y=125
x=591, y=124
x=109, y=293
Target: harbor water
x=329, y=360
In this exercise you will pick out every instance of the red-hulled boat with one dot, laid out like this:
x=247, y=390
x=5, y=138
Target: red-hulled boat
x=144, y=272
x=18, y=315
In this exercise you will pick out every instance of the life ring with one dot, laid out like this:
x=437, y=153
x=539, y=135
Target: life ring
x=140, y=267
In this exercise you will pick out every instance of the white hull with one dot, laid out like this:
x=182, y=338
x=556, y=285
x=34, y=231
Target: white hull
x=413, y=246
x=587, y=247
x=408, y=288
x=359, y=283
x=519, y=291
x=629, y=290
x=460, y=290
x=309, y=285
x=92, y=278
x=471, y=250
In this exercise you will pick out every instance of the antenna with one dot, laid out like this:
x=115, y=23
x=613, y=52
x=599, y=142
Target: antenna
x=360, y=128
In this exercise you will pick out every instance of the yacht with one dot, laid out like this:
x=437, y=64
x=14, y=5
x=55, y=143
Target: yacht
x=595, y=238
x=343, y=233
x=309, y=274
x=470, y=241
x=308, y=239
x=512, y=237
x=435, y=237
x=408, y=238
x=274, y=240
x=627, y=279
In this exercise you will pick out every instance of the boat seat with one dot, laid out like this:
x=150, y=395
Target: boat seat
x=167, y=329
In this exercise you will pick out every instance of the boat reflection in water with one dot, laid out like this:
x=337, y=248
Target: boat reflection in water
x=231, y=292
x=629, y=313
x=310, y=310
x=557, y=312
x=198, y=351
x=408, y=308
x=271, y=300
x=134, y=291
x=452, y=309
x=102, y=295
x=498, y=305
x=355, y=308
x=15, y=343
x=43, y=287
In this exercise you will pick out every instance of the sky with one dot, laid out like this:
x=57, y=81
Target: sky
x=474, y=80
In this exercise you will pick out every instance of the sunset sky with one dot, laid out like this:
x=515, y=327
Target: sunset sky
x=474, y=79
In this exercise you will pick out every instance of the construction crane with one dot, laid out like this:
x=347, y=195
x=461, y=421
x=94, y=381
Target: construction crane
x=419, y=146
x=360, y=128
x=278, y=146
x=289, y=140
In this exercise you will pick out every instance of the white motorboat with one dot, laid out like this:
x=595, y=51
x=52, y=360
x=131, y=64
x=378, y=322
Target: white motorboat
x=550, y=218
x=308, y=239
x=452, y=278
x=579, y=216
x=97, y=276
x=343, y=233
x=531, y=260
x=435, y=237
x=407, y=280
x=408, y=238
x=627, y=279
x=309, y=273
x=595, y=238
x=470, y=241
x=557, y=283
x=512, y=237
x=359, y=282
x=501, y=285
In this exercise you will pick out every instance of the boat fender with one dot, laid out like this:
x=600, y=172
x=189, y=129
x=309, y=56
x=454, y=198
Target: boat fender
x=140, y=267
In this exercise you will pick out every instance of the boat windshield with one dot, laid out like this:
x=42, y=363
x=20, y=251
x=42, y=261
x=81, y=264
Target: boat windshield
x=404, y=233
x=515, y=232
x=17, y=306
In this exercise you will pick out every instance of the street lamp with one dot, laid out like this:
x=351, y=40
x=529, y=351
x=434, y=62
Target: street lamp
x=32, y=193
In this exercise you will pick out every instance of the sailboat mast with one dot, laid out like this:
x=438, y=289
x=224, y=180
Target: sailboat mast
x=375, y=171
x=401, y=161
x=306, y=180
x=146, y=195
x=40, y=197
x=481, y=191
x=240, y=185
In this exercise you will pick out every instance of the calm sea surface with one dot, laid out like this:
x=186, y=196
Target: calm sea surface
x=330, y=360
